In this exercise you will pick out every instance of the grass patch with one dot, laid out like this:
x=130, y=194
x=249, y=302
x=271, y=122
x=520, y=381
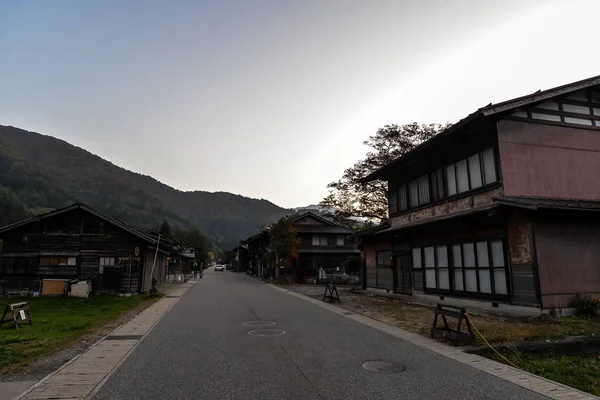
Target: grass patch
x=57, y=323
x=580, y=372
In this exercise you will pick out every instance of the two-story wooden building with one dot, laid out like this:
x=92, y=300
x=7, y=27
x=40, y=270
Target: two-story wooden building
x=501, y=207
x=78, y=242
x=325, y=246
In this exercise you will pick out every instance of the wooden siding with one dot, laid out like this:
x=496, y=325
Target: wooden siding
x=471, y=201
x=520, y=251
x=72, y=232
x=568, y=253
x=539, y=160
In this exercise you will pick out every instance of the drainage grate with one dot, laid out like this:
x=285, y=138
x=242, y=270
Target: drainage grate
x=124, y=337
x=172, y=297
x=266, y=332
x=386, y=367
x=348, y=313
x=258, y=323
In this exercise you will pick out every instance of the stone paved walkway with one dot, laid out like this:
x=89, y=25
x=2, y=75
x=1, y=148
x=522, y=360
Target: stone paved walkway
x=80, y=377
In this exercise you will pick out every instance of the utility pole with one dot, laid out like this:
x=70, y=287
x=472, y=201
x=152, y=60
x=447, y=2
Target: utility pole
x=154, y=262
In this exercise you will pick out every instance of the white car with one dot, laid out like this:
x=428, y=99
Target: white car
x=220, y=268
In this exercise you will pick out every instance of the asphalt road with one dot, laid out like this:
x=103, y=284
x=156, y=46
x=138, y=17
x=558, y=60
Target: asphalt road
x=202, y=350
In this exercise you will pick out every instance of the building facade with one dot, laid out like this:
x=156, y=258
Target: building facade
x=500, y=207
x=78, y=242
x=325, y=249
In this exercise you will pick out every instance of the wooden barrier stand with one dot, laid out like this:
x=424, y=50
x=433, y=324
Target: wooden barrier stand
x=446, y=331
x=330, y=291
x=18, y=314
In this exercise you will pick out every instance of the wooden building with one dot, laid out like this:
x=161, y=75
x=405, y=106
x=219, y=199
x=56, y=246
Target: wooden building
x=78, y=242
x=325, y=246
x=500, y=207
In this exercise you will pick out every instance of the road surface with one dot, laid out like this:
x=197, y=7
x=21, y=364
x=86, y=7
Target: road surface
x=202, y=349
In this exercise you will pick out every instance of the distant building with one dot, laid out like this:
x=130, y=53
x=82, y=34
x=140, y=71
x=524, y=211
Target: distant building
x=79, y=242
x=325, y=246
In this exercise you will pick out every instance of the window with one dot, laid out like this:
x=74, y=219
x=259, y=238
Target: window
x=429, y=267
x=462, y=176
x=475, y=267
x=384, y=258
x=402, y=200
x=475, y=178
x=418, y=191
x=340, y=241
x=106, y=262
x=423, y=189
x=437, y=267
x=451, y=179
x=393, y=200
x=417, y=258
x=443, y=266
x=57, y=260
x=319, y=240
x=437, y=185
x=489, y=166
x=413, y=194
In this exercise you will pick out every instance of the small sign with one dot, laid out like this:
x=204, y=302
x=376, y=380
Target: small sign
x=17, y=313
x=136, y=251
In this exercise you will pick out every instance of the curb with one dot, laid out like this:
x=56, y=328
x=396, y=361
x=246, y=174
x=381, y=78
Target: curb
x=71, y=361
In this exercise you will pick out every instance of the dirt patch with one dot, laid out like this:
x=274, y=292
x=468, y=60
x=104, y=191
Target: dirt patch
x=418, y=318
x=39, y=368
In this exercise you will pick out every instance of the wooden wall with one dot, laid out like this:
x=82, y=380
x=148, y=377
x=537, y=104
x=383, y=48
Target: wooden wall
x=66, y=232
x=540, y=160
x=568, y=253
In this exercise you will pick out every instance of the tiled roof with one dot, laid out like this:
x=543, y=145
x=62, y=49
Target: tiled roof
x=536, y=203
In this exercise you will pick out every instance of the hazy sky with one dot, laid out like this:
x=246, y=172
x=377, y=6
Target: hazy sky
x=272, y=99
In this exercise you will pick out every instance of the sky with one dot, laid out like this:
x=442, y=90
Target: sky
x=272, y=98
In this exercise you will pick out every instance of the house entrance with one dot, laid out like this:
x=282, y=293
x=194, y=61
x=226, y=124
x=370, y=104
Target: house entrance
x=403, y=272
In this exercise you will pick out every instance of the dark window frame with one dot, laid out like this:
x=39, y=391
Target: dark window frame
x=493, y=295
x=382, y=253
x=397, y=209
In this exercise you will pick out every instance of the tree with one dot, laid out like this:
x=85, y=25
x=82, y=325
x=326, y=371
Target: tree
x=165, y=229
x=350, y=196
x=283, y=243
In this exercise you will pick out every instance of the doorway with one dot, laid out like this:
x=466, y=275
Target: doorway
x=403, y=266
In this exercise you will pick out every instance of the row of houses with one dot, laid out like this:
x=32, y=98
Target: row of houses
x=325, y=250
x=80, y=243
x=500, y=208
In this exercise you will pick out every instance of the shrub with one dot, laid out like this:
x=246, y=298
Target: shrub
x=586, y=305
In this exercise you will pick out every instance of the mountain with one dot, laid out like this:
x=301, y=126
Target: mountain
x=39, y=172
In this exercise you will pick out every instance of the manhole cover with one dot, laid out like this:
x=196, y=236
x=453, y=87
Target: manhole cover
x=386, y=367
x=259, y=323
x=266, y=332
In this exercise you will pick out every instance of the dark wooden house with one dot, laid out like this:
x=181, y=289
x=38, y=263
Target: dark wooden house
x=325, y=246
x=78, y=242
x=501, y=207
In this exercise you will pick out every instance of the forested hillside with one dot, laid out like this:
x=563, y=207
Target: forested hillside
x=38, y=172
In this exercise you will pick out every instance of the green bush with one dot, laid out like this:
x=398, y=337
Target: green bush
x=586, y=305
